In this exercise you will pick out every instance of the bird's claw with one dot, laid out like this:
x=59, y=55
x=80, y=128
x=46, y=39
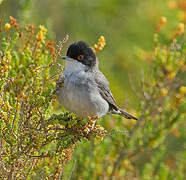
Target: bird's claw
x=89, y=127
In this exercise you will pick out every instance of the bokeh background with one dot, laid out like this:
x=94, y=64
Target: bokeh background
x=128, y=27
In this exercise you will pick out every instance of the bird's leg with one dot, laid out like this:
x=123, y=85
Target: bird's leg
x=92, y=121
x=90, y=125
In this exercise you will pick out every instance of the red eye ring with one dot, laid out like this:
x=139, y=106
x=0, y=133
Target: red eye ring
x=80, y=57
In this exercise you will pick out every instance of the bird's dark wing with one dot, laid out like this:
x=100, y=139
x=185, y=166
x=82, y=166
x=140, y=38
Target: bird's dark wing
x=103, y=86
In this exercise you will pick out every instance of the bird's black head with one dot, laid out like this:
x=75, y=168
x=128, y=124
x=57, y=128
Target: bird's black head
x=81, y=52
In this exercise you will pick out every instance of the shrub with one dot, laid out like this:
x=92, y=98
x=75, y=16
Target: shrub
x=32, y=138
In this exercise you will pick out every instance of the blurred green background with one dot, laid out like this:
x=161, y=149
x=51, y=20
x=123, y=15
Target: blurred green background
x=128, y=27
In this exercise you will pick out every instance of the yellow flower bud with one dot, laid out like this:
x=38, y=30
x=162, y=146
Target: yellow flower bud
x=163, y=20
x=172, y=4
x=42, y=28
x=95, y=46
x=41, y=34
x=164, y=92
x=181, y=28
x=100, y=45
x=171, y=75
x=7, y=26
x=102, y=38
x=182, y=90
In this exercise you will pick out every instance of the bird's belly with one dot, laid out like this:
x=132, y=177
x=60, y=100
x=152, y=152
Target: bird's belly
x=82, y=101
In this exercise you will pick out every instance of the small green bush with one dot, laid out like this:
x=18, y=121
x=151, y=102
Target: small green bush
x=31, y=136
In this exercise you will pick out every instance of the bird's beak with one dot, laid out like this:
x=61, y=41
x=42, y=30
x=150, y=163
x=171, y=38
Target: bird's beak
x=64, y=57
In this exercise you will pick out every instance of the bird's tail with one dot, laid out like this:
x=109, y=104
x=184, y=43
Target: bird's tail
x=126, y=114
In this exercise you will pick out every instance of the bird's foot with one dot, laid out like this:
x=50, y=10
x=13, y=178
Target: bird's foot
x=93, y=118
x=90, y=126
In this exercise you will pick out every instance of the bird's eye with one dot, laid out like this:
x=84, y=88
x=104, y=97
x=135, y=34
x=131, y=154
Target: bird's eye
x=80, y=57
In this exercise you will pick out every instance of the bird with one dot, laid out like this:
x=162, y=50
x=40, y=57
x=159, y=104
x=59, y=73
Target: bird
x=82, y=88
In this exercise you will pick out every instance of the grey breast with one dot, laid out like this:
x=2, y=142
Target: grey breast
x=79, y=94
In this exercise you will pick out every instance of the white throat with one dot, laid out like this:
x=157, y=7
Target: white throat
x=74, y=66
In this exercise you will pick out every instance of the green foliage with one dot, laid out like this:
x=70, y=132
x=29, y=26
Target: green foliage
x=30, y=134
